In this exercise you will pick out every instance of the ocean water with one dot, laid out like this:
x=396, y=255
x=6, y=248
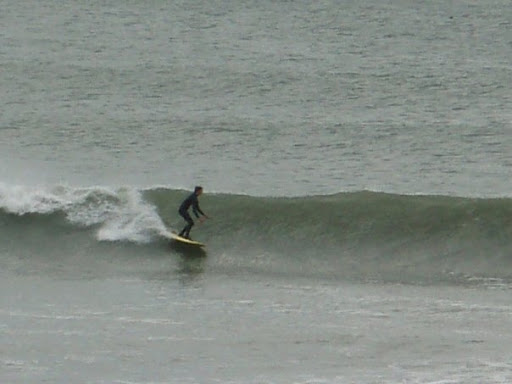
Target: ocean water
x=356, y=160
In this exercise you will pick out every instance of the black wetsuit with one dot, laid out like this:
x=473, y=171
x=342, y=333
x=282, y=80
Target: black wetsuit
x=191, y=200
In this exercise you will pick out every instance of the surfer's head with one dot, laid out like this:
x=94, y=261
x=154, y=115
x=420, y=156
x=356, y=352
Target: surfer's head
x=198, y=190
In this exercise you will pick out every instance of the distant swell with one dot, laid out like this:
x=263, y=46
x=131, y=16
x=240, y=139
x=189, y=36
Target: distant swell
x=365, y=234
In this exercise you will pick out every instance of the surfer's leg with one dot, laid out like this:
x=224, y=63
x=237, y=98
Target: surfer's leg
x=183, y=231
x=190, y=223
x=188, y=228
x=186, y=217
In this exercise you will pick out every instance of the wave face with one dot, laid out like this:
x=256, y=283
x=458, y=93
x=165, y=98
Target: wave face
x=363, y=235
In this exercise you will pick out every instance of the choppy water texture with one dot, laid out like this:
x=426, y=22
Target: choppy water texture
x=259, y=97
x=356, y=164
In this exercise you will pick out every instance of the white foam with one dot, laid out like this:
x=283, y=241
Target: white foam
x=134, y=220
x=122, y=214
x=22, y=200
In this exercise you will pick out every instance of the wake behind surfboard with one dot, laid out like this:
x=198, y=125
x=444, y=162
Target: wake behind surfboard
x=174, y=236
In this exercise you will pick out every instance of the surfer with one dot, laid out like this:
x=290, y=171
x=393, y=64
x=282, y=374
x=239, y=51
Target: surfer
x=191, y=200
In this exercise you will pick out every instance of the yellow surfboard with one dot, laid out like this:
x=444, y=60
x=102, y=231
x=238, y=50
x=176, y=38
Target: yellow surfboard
x=174, y=236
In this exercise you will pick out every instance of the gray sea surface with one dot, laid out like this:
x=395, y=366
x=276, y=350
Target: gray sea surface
x=259, y=97
x=109, y=109
x=231, y=330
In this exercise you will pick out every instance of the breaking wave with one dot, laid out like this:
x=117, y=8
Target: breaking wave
x=367, y=234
